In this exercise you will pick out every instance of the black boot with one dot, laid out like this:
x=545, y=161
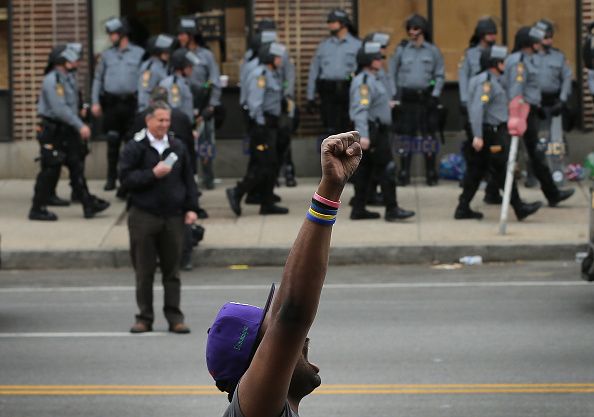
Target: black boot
x=110, y=184
x=562, y=195
x=93, y=206
x=492, y=199
x=41, y=213
x=273, y=209
x=397, y=213
x=56, y=201
x=362, y=214
x=234, y=200
x=524, y=210
x=463, y=211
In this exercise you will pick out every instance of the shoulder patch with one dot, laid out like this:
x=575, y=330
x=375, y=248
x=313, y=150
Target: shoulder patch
x=261, y=81
x=485, y=98
x=175, y=95
x=138, y=136
x=60, y=90
x=146, y=76
x=364, y=93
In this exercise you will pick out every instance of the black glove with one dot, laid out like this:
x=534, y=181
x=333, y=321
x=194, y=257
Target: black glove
x=463, y=109
x=311, y=107
x=434, y=102
x=557, y=108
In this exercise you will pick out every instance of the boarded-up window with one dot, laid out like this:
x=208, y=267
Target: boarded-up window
x=453, y=25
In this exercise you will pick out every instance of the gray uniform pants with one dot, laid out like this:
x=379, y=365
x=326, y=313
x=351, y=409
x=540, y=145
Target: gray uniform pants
x=151, y=238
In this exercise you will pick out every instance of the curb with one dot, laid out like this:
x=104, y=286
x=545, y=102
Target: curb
x=222, y=257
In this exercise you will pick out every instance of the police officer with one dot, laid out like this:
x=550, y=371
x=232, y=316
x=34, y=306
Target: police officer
x=487, y=153
x=330, y=73
x=266, y=33
x=484, y=36
x=371, y=114
x=265, y=94
x=114, y=92
x=554, y=77
x=418, y=71
x=154, y=69
x=206, y=89
x=177, y=84
x=59, y=135
x=522, y=79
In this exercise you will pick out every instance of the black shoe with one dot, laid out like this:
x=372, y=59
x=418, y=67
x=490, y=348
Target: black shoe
x=74, y=199
x=57, y=202
x=122, y=193
x=290, y=182
x=276, y=198
x=94, y=207
x=202, y=214
x=465, y=212
x=42, y=214
x=376, y=199
x=100, y=203
x=397, y=213
x=431, y=179
x=364, y=214
x=562, y=195
x=493, y=199
x=273, y=209
x=253, y=198
x=234, y=200
x=526, y=209
x=110, y=184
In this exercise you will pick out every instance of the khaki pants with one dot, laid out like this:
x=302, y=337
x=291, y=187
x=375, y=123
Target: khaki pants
x=151, y=238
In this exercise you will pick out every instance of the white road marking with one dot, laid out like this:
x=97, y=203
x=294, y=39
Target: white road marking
x=355, y=286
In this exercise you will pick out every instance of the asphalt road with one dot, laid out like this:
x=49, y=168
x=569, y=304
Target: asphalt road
x=492, y=340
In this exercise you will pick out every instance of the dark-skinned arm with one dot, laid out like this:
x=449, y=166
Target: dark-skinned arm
x=264, y=388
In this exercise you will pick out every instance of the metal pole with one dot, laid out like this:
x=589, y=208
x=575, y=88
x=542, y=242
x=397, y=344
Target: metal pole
x=509, y=180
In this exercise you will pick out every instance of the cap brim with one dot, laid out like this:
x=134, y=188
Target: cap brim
x=266, y=308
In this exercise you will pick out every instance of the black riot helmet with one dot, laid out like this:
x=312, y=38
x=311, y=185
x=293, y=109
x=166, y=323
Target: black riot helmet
x=485, y=26
x=53, y=57
x=259, y=39
x=265, y=24
x=269, y=51
x=416, y=20
x=156, y=45
x=338, y=15
x=546, y=26
x=117, y=25
x=527, y=37
x=369, y=52
x=380, y=37
x=492, y=56
x=183, y=58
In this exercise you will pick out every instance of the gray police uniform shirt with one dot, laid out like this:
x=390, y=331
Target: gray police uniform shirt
x=152, y=72
x=521, y=77
x=369, y=101
x=554, y=75
x=59, y=100
x=264, y=94
x=286, y=72
x=386, y=80
x=207, y=73
x=117, y=71
x=179, y=94
x=468, y=68
x=487, y=102
x=335, y=59
x=418, y=67
x=235, y=411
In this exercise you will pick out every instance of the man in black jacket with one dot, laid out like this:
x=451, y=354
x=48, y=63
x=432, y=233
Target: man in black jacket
x=155, y=168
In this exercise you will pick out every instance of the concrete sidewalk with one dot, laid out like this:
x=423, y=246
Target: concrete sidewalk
x=431, y=236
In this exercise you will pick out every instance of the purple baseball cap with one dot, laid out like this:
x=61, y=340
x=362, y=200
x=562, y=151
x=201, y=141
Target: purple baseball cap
x=231, y=340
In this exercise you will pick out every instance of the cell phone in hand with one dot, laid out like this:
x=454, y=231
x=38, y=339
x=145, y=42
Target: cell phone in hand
x=170, y=160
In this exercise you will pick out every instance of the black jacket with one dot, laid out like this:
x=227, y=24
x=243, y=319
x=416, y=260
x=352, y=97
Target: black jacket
x=173, y=194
